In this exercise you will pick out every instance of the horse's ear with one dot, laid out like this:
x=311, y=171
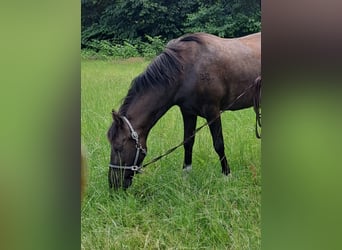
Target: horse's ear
x=116, y=117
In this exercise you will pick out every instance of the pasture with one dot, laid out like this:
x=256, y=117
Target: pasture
x=166, y=208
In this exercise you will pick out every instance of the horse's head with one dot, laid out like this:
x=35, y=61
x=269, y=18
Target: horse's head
x=127, y=152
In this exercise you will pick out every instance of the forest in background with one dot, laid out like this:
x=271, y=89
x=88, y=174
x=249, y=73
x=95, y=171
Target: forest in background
x=126, y=28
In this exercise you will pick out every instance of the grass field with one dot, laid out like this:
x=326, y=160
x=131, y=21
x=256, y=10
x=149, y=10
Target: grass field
x=166, y=208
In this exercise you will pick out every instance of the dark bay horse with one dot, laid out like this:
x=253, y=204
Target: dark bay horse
x=202, y=74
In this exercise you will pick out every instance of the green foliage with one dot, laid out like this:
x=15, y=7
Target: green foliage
x=137, y=21
x=133, y=19
x=225, y=19
x=105, y=49
x=153, y=47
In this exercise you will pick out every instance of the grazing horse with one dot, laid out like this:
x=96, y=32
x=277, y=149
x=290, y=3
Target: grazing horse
x=202, y=74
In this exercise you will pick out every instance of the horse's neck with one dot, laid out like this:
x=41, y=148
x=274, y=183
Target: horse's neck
x=147, y=109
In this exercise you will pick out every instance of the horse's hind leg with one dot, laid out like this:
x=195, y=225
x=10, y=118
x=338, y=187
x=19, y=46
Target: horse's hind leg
x=189, y=138
x=216, y=133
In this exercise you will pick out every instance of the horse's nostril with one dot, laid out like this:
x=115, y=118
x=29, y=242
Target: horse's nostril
x=127, y=182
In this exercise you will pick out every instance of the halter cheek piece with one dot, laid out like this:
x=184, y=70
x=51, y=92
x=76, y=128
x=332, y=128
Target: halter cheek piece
x=138, y=146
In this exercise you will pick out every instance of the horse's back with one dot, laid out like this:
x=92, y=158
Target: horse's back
x=253, y=41
x=234, y=59
x=217, y=70
x=204, y=48
x=249, y=45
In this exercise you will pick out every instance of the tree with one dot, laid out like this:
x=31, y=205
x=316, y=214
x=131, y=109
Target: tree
x=226, y=18
x=131, y=20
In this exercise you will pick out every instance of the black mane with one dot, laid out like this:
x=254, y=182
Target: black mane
x=196, y=37
x=161, y=73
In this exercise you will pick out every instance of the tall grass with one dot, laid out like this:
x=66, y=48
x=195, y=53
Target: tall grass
x=166, y=208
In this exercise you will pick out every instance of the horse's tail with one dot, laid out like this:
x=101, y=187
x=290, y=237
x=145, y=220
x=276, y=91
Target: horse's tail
x=257, y=105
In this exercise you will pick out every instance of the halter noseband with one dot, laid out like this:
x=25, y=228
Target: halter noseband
x=138, y=146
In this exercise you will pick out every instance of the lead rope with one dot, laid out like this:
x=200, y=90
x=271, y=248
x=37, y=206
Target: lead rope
x=256, y=84
x=256, y=105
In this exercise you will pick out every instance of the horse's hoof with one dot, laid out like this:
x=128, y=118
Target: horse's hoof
x=226, y=171
x=187, y=168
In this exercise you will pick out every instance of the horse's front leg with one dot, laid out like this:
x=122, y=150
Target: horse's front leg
x=216, y=133
x=189, y=121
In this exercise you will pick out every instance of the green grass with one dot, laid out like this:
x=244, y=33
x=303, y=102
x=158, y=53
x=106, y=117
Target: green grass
x=166, y=208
